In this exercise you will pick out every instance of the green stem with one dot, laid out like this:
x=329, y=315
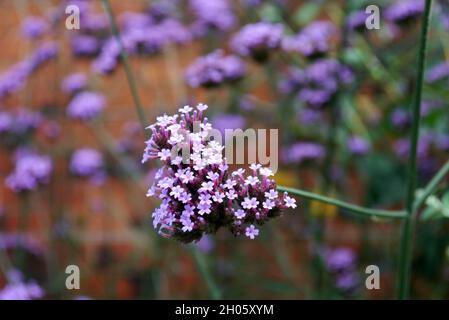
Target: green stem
x=205, y=273
x=406, y=244
x=430, y=188
x=344, y=205
x=128, y=71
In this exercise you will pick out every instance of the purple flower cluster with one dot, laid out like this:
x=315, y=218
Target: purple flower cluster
x=20, y=241
x=303, y=151
x=74, y=83
x=18, y=289
x=199, y=195
x=317, y=83
x=15, y=78
x=428, y=145
x=84, y=45
x=31, y=170
x=438, y=72
x=86, y=105
x=403, y=10
x=356, y=20
x=342, y=263
x=215, y=69
x=222, y=122
x=358, y=145
x=315, y=39
x=140, y=36
x=87, y=162
x=258, y=40
x=215, y=15
x=19, y=121
x=34, y=27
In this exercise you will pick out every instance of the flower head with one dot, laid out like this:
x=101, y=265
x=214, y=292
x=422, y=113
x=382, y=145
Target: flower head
x=199, y=195
x=86, y=105
x=257, y=40
x=215, y=69
x=314, y=39
x=31, y=170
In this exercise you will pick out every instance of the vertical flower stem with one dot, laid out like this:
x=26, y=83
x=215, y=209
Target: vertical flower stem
x=406, y=244
x=126, y=64
x=206, y=274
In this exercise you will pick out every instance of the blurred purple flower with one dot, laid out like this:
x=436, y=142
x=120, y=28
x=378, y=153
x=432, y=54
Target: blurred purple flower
x=400, y=118
x=318, y=82
x=74, y=82
x=31, y=170
x=222, y=122
x=358, y=145
x=34, y=27
x=20, y=241
x=14, y=79
x=257, y=40
x=19, y=121
x=215, y=69
x=438, y=72
x=314, y=39
x=18, y=289
x=87, y=162
x=403, y=10
x=85, y=45
x=302, y=151
x=86, y=105
x=212, y=15
x=342, y=264
x=357, y=20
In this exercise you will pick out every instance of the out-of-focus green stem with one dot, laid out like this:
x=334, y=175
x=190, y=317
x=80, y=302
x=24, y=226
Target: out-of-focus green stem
x=127, y=66
x=362, y=211
x=406, y=244
x=205, y=273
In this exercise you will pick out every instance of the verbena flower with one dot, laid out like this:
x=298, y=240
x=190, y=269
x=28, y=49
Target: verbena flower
x=303, y=151
x=31, y=170
x=34, y=27
x=438, y=72
x=215, y=69
x=19, y=121
x=314, y=39
x=404, y=10
x=215, y=15
x=342, y=264
x=84, y=45
x=87, y=162
x=200, y=195
x=258, y=40
x=358, y=145
x=14, y=79
x=86, y=105
x=19, y=289
x=221, y=122
x=317, y=84
x=74, y=82
x=357, y=20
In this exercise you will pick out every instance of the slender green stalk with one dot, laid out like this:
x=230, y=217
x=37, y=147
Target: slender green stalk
x=406, y=245
x=344, y=205
x=431, y=186
x=128, y=71
x=205, y=273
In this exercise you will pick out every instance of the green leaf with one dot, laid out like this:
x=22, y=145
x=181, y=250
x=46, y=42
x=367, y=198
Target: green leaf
x=307, y=13
x=270, y=12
